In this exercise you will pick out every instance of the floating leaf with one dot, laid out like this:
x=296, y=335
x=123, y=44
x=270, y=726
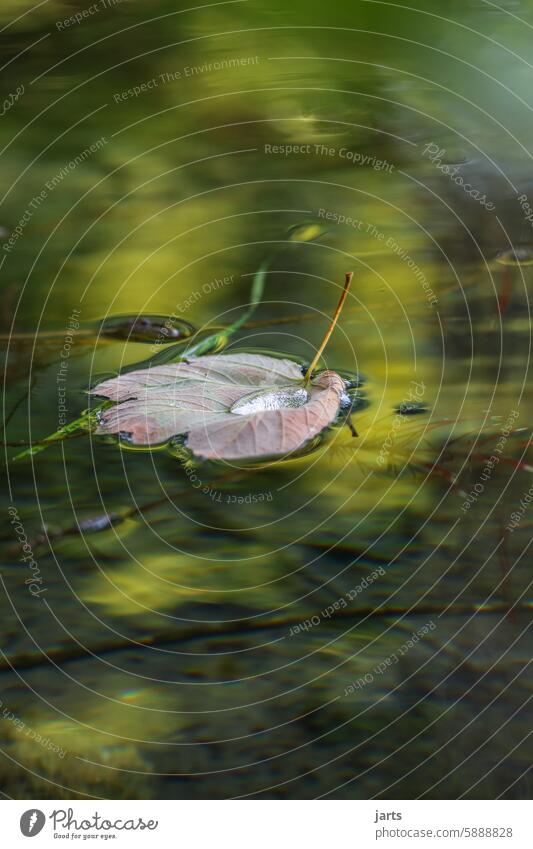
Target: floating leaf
x=230, y=406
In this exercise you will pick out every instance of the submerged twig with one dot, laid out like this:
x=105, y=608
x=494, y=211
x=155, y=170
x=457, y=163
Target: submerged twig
x=112, y=519
x=85, y=422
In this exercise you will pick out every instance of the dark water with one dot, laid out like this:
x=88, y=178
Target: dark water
x=353, y=623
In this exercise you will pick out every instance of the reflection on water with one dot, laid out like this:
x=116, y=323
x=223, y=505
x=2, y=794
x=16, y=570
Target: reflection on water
x=353, y=621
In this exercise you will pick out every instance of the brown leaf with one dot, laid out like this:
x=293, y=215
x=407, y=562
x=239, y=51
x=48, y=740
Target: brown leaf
x=232, y=406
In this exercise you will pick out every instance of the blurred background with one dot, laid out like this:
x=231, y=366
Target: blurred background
x=173, y=646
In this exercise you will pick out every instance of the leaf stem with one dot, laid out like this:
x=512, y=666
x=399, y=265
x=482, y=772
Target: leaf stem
x=347, y=281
